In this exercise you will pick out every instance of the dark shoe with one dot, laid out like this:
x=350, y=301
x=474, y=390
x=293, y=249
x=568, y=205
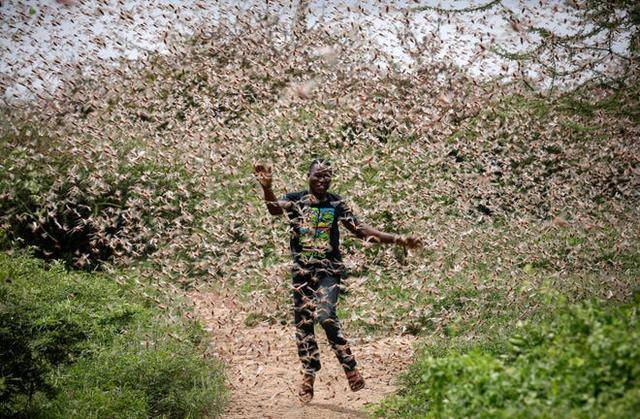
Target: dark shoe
x=305, y=393
x=356, y=382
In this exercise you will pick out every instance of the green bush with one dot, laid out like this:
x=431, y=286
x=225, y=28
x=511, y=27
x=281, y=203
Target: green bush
x=86, y=345
x=85, y=202
x=584, y=363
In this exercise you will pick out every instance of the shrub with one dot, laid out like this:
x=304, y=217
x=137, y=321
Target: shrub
x=85, y=202
x=84, y=345
x=584, y=363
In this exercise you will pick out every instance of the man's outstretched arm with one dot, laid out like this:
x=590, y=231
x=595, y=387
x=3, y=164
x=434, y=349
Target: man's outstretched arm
x=263, y=174
x=366, y=232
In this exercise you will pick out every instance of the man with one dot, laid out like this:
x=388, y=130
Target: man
x=317, y=265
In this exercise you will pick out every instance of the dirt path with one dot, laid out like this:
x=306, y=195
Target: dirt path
x=263, y=367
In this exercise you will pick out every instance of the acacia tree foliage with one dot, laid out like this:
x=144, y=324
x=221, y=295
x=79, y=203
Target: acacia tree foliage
x=602, y=41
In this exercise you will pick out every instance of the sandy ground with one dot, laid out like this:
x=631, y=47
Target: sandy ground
x=263, y=370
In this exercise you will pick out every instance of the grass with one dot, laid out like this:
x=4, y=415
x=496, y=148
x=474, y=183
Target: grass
x=98, y=345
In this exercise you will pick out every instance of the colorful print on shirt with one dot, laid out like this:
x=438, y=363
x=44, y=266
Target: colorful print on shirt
x=315, y=232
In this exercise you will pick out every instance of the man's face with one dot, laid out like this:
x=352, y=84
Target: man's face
x=320, y=178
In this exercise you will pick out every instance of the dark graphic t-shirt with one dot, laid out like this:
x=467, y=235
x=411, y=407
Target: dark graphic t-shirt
x=315, y=236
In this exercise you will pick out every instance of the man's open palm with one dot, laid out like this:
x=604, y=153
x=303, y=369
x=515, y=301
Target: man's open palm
x=412, y=242
x=263, y=174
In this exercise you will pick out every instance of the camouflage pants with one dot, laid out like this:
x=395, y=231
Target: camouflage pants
x=315, y=296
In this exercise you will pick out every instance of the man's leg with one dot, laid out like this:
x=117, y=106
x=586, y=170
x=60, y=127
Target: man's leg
x=303, y=309
x=327, y=297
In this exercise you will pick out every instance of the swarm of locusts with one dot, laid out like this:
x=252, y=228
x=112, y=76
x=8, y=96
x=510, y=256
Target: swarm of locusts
x=153, y=158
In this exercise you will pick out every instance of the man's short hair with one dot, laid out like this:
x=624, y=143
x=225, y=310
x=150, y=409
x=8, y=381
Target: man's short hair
x=320, y=161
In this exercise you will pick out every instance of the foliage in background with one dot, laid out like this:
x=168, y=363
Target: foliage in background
x=92, y=345
x=583, y=362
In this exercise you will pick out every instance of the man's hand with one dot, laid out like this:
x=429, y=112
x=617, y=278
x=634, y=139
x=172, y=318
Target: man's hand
x=263, y=174
x=411, y=242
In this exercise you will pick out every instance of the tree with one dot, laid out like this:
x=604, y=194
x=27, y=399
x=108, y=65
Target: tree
x=603, y=40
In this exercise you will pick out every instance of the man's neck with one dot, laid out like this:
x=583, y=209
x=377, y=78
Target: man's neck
x=320, y=196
